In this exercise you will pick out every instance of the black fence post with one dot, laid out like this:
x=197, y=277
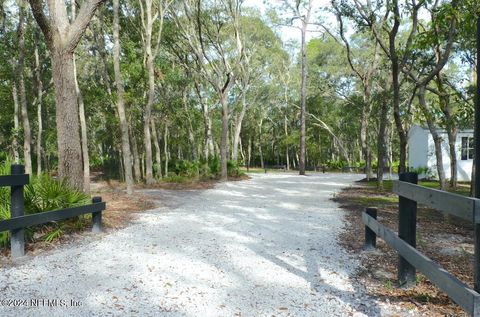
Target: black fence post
x=97, y=217
x=476, y=180
x=476, y=270
x=407, y=231
x=370, y=236
x=17, y=209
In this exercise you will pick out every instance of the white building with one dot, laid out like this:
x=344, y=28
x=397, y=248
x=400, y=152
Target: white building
x=421, y=152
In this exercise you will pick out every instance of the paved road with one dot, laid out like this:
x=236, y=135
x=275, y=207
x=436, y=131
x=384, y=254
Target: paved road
x=261, y=247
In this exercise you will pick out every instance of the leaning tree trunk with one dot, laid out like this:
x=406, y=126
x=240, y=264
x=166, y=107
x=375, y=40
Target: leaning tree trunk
x=127, y=160
x=452, y=140
x=238, y=128
x=437, y=139
x=83, y=133
x=83, y=121
x=451, y=128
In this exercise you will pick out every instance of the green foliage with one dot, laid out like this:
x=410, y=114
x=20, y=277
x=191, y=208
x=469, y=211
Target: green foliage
x=336, y=165
x=421, y=170
x=214, y=165
x=188, y=169
x=43, y=193
x=54, y=234
x=233, y=169
x=173, y=178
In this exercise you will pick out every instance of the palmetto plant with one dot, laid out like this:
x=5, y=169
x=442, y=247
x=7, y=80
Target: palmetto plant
x=43, y=193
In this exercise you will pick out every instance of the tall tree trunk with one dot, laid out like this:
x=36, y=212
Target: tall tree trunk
x=260, y=151
x=165, y=148
x=16, y=124
x=382, y=143
x=303, y=99
x=242, y=152
x=70, y=165
x=62, y=38
x=249, y=155
x=127, y=160
x=238, y=128
x=150, y=59
x=285, y=126
x=99, y=38
x=27, y=135
x=451, y=128
x=191, y=136
x=136, y=158
x=156, y=142
x=83, y=121
x=437, y=139
x=39, y=86
x=224, y=138
x=366, y=152
x=452, y=140
x=208, y=139
x=83, y=132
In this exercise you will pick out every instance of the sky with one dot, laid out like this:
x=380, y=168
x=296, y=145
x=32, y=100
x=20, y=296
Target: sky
x=288, y=33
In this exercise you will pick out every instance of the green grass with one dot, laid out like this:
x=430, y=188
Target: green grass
x=261, y=170
x=462, y=188
x=373, y=201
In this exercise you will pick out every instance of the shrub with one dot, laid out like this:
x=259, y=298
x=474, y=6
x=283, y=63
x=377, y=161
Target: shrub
x=233, y=170
x=214, y=165
x=336, y=165
x=187, y=168
x=43, y=193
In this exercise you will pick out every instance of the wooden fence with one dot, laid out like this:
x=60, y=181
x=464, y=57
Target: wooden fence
x=19, y=221
x=410, y=259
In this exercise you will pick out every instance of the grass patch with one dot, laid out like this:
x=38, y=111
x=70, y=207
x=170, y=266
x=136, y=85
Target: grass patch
x=373, y=201
x=462, y=188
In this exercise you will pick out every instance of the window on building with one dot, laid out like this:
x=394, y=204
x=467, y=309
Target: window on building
x=467, y=148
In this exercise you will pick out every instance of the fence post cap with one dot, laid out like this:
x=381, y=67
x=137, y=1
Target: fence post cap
x=17, y=169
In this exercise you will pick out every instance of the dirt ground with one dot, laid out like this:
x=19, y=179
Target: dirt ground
x=445, y=239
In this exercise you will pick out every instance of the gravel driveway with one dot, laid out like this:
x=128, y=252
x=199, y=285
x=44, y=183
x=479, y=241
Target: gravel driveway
x=261, y=247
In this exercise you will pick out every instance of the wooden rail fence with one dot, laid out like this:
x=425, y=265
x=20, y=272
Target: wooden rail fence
x=19, y=221
x=410, y=259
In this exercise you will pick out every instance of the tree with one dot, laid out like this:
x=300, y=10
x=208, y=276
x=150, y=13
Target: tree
x=204, y=31
x=127, y=161
x=62, y=37
x=301, y=10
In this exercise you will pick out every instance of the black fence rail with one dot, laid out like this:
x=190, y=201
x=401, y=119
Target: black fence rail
x=19, y=221
x=410, y=259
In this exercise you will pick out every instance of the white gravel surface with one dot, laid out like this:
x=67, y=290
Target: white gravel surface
x=261, y=247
